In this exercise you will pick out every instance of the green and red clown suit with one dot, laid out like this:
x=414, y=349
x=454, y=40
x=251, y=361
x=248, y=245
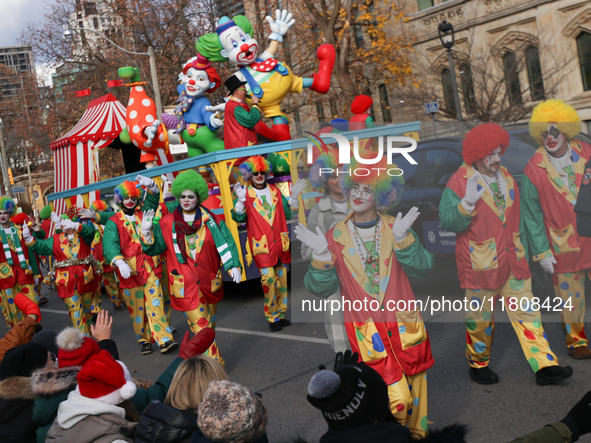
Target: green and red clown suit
x=265, y=215
x=142, y=291
x=74, y=271
x=491, y=256
x=549, y=198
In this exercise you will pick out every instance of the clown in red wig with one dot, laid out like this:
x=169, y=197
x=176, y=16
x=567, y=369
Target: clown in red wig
x=265, y=211
x=481, y=205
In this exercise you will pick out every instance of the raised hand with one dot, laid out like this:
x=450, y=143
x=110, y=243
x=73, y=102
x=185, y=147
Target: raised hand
x=87, y=213
x=473, y=190
x=240, y=192
x=279, y=27
x=315, y=241
x=147, y=222
x=402, y=224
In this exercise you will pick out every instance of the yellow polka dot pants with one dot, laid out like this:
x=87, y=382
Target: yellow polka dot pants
x=203, y=317
x=274, y=281
x=570, y=288
x=11, y=313
x=408, y=402
x=79, y=306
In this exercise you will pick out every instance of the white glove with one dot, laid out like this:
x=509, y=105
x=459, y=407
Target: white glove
x=236, y=275
x=123, y=267
x=215, y=122
x=215, y=108
x=402, y=224
x=148, y=183
x=279, y=27
x=55, y=218
x=547, y=264
x=87, y=213
x=150, y=132
x=316, y=242
x=473, y=194
x=240, y=192
x=296, y=190
x=69, y=224
x=147, y=223
x=27, y=234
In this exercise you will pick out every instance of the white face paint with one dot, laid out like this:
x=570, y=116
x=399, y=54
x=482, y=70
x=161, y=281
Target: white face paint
x=188, y=200
x=196, y=82
x=4, y=217
x=258, y=179
x=553, y=139
x=361, y=197
x=239, y=47
x=490, y=164
x=130, y=202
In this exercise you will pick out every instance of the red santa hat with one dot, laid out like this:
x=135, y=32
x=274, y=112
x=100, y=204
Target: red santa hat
x=74, y=348
x=105, y=379
x=361, y=103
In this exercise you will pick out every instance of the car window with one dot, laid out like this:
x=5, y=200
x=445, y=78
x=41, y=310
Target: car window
x=439, y=163
x=521, y=148
x=410, y=171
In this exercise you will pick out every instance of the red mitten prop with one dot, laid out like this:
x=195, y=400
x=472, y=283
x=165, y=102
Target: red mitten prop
x=27, y=305
x=326, y=55
x=197, y=345
x=276, y=133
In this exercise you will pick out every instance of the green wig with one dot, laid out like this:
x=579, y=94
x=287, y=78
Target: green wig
x=45, y=213
x=192, y=181
x=209, y=45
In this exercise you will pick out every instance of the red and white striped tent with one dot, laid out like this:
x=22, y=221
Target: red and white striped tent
x=76, y=153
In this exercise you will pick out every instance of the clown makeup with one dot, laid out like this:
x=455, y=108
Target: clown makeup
x=4, y=218
x=130, y=202
x=196, y=82
x=333, y=185
x=490, y=164
x=258, y=180
x=239, y=47
x=361, y=197
x=188, y=200
x=554, y=141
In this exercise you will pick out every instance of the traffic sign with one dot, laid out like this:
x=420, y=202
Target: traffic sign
x=17, y=189
x=431, y=108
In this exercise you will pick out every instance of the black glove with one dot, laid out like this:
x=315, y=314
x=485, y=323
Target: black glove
x=580, y=415
x=340, y=359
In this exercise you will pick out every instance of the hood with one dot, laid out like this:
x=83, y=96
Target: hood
x=77, y=408
x=15, y=395
x=53, y=380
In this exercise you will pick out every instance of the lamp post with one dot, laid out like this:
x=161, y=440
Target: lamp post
x=447, y=37
x=4, y=164
x=151, y=54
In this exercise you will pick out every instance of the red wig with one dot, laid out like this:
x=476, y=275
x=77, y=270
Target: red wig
x=361, y=103
x=20, y=219
x=482, y=140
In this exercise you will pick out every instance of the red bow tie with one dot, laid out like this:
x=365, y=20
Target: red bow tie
x=265, y=65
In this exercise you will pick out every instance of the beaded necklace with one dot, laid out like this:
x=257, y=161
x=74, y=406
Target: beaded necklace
x=495, y=190
x=370, y=258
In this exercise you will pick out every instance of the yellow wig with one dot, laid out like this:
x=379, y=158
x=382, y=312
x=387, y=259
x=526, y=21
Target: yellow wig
x=554, y=111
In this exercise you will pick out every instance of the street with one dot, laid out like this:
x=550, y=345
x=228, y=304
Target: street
x=279, y=365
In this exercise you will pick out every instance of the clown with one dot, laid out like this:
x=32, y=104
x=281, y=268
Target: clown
x=360, y=108
x=16, y=265
x=267, y=79
x=265, y=211
x=197, y=124
x=550, y=186
x=481, y=205
x=138, y=274
x=370, y=256
x=74, y=267
x=192, y=234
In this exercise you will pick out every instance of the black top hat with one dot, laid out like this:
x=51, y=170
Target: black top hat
x=233, y=83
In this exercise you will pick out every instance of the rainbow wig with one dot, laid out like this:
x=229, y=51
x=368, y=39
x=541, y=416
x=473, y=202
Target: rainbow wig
x=256, y=163
x=190, y=180
x=554, y=111
x=7, y=204
x=128, y=189
x=45, y=213
x=387, y=189
x=317, y=179
x=482, y=140
x=99, y=206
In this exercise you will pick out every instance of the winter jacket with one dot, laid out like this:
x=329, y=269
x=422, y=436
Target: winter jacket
x=161, y=422
x=81, y=419
x=23, y=332
x=16, y=410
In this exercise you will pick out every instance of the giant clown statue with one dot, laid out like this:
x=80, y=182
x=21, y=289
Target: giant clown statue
x=266, y=78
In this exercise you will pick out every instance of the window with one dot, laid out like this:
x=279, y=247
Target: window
x=440, y=162
x=385, y=103
x=534, y=73
x=467, y=87
x=512, y=78
x=448, y=90
x=320, y=111
x=409, y=171
x=424, y=4
x=584, y=49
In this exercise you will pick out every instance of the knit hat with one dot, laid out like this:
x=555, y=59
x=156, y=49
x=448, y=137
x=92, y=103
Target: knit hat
x=482, y=140
x=47, y=338
x=353, y=395
x=232, y=413
x=105, y=379
x=75, y=348
x=23, y=360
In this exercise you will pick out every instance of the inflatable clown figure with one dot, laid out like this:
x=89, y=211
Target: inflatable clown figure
x=143, y=129
x=266, y=78
x=196, y=119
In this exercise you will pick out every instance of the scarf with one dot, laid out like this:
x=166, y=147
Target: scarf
x=181, y=229
x=184, y=104
x=17, y=246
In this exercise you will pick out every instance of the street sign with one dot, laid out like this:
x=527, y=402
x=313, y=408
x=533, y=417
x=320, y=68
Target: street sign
x=431, y=108
x=17, y=189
